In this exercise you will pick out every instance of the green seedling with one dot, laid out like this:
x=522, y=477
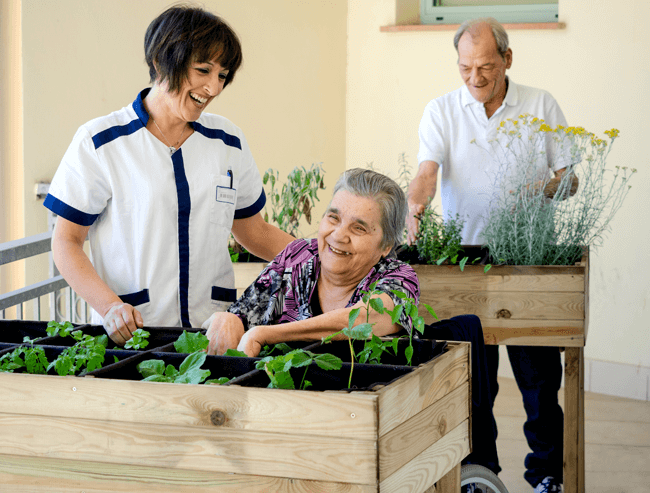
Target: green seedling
x=278, y=368
x=31, y=357
x=281, y=347
x=138, y=340
x=191, y=342
x=154, y=370
x=87, y=353
x=55, y=328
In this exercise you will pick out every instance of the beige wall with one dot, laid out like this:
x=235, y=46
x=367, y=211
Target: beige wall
x=84, y=58
x=598, y=69
x=11, y=172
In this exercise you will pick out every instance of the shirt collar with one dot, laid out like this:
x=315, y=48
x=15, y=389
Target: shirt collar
x=138, y=106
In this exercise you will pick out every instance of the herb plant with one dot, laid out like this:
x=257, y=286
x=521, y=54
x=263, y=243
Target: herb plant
x=87, y=353
x=31, y=357
x=138, y=340
x=191, y=342
x=154, y=370
x=278, y=367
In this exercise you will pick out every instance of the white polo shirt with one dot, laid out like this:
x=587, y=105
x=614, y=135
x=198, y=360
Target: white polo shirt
x=159, y=223
x=456, y=133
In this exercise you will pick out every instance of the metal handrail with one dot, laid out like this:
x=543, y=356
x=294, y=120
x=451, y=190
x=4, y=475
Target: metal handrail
x=24, y=248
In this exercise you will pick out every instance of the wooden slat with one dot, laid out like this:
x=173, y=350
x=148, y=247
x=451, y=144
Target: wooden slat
x=569, y=334
x=406, y=441
x=414, y=392
x=508, y=305
x=269, y=410
x=446, y=278
x=431, y=465
x=585, y=263
x=31, y=474
x=573, y=435
x=450, y=482
x=226, y=451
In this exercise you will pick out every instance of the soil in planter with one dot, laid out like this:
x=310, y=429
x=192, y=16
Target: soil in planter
x=364, y=377
x=424, y=350
x=219, y=366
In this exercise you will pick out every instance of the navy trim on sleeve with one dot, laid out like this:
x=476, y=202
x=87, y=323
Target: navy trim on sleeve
x=251, y=210
x=110, y=134
x=68, y=212
x=135, y=299
x=214, y=133
x=223, y=294
x=184, y=208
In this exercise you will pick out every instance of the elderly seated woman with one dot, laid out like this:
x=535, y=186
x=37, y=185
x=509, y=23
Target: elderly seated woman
x=309, y=289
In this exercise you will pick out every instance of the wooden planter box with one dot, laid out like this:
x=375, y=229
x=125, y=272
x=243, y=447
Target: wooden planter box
x=518, y=305
x=104, y=435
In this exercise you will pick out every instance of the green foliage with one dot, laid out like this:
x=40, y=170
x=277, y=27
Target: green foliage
x=87, y=353
x=236, y=353
x=217, y=381
x=55, y=328
x=281, y=347
x=525, y=226
x=294, y=198
x=31, y=358
x=138, y=340
x=439, y=240
x=191, y=342
x=154, y=370
x=278, y=368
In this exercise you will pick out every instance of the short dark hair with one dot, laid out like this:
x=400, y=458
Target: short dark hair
x=182, y=35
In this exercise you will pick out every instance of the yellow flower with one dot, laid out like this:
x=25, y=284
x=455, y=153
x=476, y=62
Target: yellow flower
x=545, y=128
x=612, y=134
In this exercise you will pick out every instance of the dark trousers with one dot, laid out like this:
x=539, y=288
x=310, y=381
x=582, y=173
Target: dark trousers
x=467, y=328
x=538, y=372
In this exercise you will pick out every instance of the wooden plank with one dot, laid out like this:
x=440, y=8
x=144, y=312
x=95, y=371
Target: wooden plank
x=29, y=474
x=450, y=482
x=226, y=451
x=431, y=465
x=585, y=263
x=406, y=441
x=269, y=410
x=573, y=362
x=443, y=278
x=507, y=305
x=415, y=392
x=567, y=335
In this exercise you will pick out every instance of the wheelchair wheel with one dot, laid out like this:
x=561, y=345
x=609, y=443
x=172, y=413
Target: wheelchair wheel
x=484, y=480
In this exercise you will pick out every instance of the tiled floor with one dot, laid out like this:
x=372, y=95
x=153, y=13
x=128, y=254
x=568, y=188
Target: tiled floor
x=617, y=436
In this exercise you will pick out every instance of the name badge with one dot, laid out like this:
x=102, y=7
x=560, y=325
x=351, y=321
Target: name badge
x=227, y=195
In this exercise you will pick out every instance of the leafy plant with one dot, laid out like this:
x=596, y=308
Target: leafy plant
x=529, y=223
x=281, y=347
x=154, y=370
x=235, y=353
x=278, y=367
x=138, y=340
x=191, y=342
x=295, y=198
x=56, y=328
x=88, y=353
x=31, y=357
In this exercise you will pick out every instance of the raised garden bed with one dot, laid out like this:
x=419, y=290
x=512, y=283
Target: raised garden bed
x=111, y=432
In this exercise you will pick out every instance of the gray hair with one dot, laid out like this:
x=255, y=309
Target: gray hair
x=388, y=195
x=470, y=26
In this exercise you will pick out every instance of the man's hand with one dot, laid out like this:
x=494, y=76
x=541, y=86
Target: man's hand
x=121, y=321
x=413, y=222
x=225, y=332
x=252, y=342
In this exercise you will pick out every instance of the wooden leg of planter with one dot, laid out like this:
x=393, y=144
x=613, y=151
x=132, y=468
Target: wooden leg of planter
x=574, y=425
x=449, y=483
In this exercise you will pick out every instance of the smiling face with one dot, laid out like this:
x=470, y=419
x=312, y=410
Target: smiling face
x=350, y=237
x=482, y=68
x=205, y=81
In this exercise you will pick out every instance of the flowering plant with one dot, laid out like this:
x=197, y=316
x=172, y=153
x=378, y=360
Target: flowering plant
x=535, y=219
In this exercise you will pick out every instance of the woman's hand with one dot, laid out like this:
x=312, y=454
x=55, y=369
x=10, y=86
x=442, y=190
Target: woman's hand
x=225, y=332
x=121, y=321
x=252, y=342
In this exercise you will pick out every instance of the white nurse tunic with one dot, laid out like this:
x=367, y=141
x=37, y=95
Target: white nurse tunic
x=159, y=223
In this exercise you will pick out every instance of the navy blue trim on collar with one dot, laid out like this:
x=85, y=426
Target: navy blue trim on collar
x=215, y=133
x=251, y=210
x=136, y=299
x=184, y=208
x=138, y=106
x=68, y=212
x=110, y=134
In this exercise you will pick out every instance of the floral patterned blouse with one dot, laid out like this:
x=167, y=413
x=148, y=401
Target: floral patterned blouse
x=283, y=291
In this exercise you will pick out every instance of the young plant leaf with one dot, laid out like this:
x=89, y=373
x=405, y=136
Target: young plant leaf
x=234, y=352
x=193, y=361
x=151, y=367
x=409, y=354
x=462, y=263
x=377, y=304
x=191, y=342
x=217, y=381
x=328, y=361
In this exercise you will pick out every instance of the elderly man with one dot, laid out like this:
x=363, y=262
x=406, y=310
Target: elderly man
x=449, y=126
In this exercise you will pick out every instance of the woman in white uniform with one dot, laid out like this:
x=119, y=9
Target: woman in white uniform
x=158, y=186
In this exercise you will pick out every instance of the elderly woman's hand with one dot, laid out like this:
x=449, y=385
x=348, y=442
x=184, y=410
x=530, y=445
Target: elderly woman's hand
x=252, y=342
x=121, y=321
x=225, y=332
